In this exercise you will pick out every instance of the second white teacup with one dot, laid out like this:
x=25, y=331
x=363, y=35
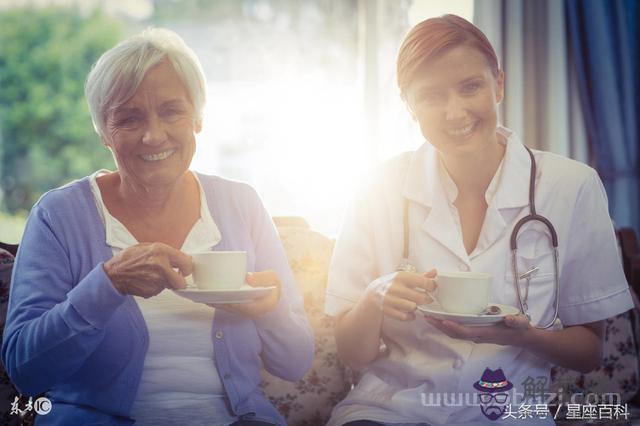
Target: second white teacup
x=463, y=292
x=219, y=270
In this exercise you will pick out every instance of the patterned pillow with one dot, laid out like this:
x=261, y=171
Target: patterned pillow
x=310, y=400
x=6, y=266
x=7, y=391
x=617, y=375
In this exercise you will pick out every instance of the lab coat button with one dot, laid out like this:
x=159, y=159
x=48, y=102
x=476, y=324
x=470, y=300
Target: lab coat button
x=219, y=334
x=463, y=267
x=457, y=364
x=227, y=376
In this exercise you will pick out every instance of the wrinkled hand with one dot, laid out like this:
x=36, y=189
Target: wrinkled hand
x=260, y=306
x=148, y=268
x=510, y=332
x=400, y=293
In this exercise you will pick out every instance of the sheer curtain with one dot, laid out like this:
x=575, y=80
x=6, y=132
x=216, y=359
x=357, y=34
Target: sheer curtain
x=541, y=96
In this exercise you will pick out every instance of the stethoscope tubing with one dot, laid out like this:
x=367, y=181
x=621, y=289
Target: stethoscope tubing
x=534, y=217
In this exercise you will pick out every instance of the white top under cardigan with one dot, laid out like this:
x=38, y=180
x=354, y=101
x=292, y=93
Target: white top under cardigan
x=179, y=379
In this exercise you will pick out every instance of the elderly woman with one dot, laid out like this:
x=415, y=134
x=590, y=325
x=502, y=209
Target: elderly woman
x=92, y=322
x=453, y=205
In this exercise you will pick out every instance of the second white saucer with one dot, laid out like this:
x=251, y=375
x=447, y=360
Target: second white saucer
x=435, y=310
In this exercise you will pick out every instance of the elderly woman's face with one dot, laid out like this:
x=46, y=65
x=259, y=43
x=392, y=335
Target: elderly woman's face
x=152, y=135
x=455, y=101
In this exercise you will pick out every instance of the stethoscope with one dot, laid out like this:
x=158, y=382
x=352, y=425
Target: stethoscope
x=405, y=265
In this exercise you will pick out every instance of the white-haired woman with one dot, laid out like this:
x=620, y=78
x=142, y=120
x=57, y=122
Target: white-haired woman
x=89, y=323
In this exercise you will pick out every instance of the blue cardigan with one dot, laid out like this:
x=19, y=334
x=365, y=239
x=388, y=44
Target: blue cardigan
x=70, y=334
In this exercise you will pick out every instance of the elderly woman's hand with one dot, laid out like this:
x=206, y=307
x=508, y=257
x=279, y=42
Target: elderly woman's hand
x=400, y=293
x=260, y=306
x=148, y=268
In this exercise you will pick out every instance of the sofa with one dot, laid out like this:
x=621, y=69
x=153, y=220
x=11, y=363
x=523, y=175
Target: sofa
x=310, y=400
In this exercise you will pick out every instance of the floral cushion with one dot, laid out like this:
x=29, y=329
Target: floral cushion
x=618, y=376
x=7, y=391
x=6, y=266
x=310, y=400
x=618, y=373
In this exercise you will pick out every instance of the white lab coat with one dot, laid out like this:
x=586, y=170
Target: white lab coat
x=421, y=366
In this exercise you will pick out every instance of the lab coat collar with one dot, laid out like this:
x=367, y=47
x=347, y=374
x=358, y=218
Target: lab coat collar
x=513, y=188
x=423, y=183
x=423, y=186
x=512, y=191
x=422, y=180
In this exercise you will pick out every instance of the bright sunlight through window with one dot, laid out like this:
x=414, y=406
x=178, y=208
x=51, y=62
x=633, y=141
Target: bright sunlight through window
x=301, y=110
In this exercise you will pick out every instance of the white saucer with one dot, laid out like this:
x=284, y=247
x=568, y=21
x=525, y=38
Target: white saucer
x=243, y=294
x=435, y=310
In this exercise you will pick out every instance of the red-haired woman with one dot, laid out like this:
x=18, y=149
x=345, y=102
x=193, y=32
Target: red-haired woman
x=453, y=205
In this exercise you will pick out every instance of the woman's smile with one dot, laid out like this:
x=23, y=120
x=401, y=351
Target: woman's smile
x=158, y=156
x=462, y=132
x=153, y=134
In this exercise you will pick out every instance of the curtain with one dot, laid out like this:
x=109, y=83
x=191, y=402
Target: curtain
x=541, y=99
x=604, y=43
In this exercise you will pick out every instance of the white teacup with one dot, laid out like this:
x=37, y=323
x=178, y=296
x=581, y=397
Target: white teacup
x=463, y=292
x=219, y=270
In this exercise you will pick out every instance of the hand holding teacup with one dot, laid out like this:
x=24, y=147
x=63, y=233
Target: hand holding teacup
x=146, y=269
x=398, y=294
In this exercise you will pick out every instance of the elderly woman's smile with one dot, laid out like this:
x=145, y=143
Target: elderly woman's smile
x=159, y=156
x=152, y=135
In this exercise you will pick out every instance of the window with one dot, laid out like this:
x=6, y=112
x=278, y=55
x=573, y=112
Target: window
x=303, y=99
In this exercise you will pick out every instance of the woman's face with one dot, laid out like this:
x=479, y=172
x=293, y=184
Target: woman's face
x=455, y=101
x=152, y=135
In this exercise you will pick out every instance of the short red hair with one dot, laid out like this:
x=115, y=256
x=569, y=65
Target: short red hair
x=432, y=37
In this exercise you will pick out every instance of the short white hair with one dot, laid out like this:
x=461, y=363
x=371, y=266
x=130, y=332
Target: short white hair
x=115, y=77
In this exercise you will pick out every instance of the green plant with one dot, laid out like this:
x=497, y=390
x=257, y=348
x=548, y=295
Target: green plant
x=46, y=135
